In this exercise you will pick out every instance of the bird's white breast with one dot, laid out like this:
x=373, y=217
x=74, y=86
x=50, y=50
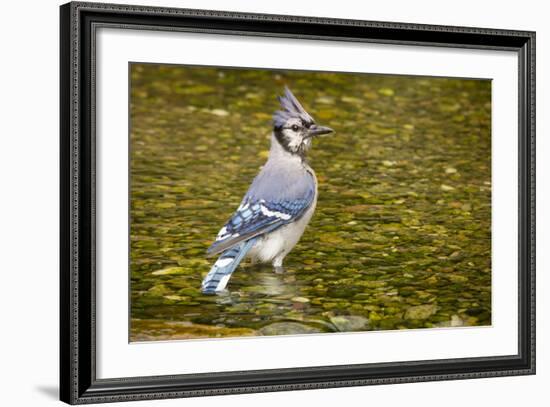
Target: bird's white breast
x=281, y=241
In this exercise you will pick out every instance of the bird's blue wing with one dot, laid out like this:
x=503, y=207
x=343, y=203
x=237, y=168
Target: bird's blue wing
x=258, y=216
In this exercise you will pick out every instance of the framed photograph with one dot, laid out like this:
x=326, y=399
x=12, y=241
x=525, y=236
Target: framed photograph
x=255, y=203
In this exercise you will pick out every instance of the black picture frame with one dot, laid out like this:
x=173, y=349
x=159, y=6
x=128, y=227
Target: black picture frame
x=78, y=382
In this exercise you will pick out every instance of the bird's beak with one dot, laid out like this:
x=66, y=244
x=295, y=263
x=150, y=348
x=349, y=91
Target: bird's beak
x=316, y=130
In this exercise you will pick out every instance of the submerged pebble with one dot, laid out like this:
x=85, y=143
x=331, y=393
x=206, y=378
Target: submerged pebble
x=287, y=328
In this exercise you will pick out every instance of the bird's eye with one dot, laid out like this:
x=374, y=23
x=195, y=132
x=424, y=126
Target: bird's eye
x=295, y=127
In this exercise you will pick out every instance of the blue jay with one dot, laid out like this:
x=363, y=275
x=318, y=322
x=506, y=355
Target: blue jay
x=279, y=203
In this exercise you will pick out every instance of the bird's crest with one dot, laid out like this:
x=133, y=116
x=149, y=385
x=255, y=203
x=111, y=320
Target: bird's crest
x=290, y=108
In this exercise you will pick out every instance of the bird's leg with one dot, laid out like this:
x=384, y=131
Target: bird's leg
x=279, y=269
x=278, y=263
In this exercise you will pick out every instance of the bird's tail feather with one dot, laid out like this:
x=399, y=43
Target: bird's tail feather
x=221, y=271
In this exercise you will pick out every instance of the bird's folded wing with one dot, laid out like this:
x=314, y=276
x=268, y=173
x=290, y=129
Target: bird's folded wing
x=258, y=216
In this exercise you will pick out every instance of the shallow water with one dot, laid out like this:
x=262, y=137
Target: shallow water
x=401, y=235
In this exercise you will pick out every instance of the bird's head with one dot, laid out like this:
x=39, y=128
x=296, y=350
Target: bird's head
x=293, y=127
